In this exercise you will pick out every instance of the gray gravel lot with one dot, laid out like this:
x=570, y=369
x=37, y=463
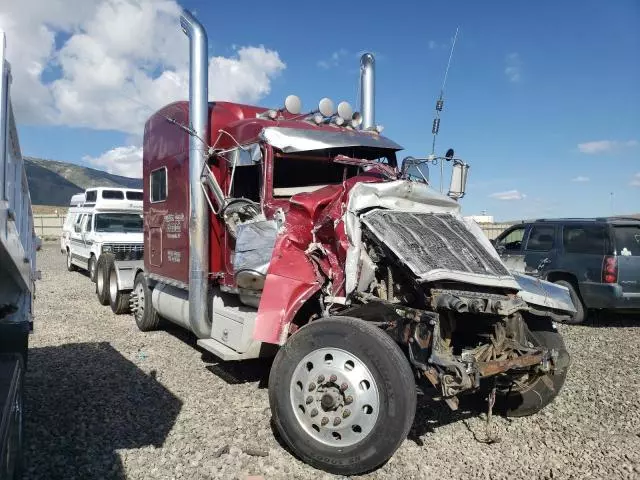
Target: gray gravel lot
x=105, y=400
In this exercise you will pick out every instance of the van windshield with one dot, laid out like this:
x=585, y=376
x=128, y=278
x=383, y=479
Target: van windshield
x=118, y=222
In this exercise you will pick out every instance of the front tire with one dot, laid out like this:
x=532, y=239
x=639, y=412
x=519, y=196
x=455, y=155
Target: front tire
x=92, y=268
x=342, y=395
x=530, y=396
x=70, y=266
x=103, y=270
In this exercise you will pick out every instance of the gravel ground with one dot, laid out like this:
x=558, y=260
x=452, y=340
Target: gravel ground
x=105, y=400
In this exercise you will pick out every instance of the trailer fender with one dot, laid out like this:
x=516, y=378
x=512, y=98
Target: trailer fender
x=126, y=271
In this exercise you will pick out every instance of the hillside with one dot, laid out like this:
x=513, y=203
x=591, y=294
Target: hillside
x=53, y=183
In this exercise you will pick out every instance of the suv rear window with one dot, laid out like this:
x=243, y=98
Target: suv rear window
x=541, y=238
x=134, y=195
x=627, y=240
x=112, y=195
x=590, y=239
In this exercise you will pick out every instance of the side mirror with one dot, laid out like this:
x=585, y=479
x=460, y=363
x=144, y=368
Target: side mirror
x=458, y=179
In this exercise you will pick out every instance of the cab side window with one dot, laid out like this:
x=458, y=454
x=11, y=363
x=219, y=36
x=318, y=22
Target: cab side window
x=541, y=238
x=158, y=187
x=512, y=241
x=88, y=224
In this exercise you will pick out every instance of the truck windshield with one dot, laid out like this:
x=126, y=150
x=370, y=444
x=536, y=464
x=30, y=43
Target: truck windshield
x=118, y=222
x=304, y=172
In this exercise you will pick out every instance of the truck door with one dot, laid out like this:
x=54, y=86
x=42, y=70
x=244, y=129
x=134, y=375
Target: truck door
x=509, y=246
x=627, y=243
x=76, y=242
x=540, y=250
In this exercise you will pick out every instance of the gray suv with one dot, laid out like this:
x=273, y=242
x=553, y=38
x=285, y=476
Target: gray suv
x=597, y=259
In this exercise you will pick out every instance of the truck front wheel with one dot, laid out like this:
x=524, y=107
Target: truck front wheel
x=531, y=393
x=118, y=299
x=342, y=395
x=70, y=266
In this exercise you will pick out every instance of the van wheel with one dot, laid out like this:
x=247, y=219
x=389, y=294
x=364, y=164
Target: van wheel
x=92, y=268
x=531, y=394
x=580, y=314
x=118, y=299
x=342, y=395
x=70, y=266
x=103, y=270
x=147, y=319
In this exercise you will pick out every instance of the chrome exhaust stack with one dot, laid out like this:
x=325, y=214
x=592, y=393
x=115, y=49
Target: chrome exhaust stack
x=367, y=91
x=198, y=210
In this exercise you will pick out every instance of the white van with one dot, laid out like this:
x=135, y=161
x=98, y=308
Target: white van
x=108, y=221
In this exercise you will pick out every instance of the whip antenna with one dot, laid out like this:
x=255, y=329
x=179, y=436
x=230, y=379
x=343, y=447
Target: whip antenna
x=439, y=105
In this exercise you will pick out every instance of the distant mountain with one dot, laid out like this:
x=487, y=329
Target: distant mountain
x=53, y=183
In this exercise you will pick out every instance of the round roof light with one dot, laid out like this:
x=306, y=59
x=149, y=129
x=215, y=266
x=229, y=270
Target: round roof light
x=293, y=105
x=356, y=120
x=325, y=107
x=345, y=111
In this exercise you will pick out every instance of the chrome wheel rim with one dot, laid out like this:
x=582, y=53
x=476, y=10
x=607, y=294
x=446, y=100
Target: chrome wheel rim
x=113, y=285
x=92, y=268
x=334, y=397
x=99, y=281
x=139, y=296
x=68, y=259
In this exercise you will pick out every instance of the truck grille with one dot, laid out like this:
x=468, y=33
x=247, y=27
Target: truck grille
x=427, y=242
x=125, y=251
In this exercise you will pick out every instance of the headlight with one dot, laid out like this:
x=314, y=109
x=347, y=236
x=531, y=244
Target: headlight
x=106, y=248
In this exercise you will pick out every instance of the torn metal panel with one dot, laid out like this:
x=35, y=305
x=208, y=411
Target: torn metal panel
x=437, y=247
x=546, y=294
x=291, y=140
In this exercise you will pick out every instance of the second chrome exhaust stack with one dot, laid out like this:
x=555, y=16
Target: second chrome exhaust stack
x=367, y=91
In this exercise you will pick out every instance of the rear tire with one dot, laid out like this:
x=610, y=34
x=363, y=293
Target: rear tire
x=532, y=396
x=147, y=319
x=581, y=312
x=70, y=266
x=309, y=408
x=103, y=270
x=118, y=299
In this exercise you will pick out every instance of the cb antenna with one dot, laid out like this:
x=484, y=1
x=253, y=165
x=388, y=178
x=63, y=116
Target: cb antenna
x=439, y=104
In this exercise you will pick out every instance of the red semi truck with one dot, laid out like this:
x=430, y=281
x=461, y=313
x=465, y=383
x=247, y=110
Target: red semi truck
x=300, y=235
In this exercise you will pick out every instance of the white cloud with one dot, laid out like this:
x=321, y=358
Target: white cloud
x=508, y=195
x=125, y=161
x=605, y=146
x=580, y=178
x=635, y=180
x=513, y=67
x=334, y=60
x=432, y=45
x=120, y=60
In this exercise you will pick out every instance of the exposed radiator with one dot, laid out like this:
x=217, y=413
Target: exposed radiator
x=430, y=243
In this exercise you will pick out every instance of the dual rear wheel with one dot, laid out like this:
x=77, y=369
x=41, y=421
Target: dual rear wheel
x=107, y=285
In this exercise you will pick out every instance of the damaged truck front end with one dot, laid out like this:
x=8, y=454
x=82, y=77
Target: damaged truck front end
x=386, y=252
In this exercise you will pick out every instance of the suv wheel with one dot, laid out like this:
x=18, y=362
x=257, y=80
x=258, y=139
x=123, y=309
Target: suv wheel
x=92, y=268
x=581, y=312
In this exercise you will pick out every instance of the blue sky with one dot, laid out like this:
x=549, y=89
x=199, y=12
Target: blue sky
x=543, y=98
